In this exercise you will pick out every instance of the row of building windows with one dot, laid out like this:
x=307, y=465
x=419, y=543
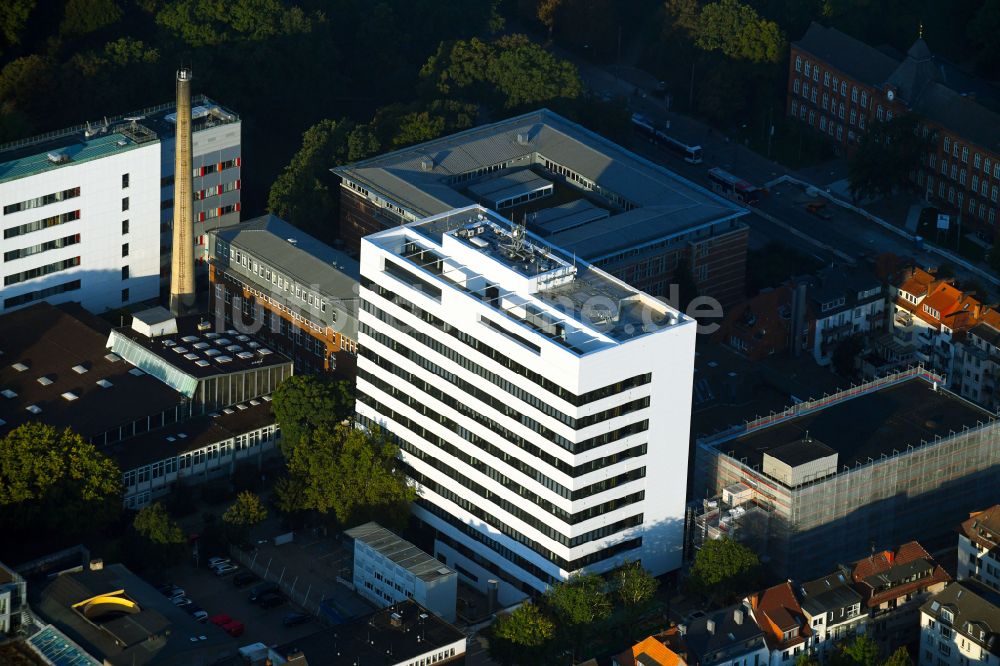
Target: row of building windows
x=434, y=658
x=40, y=271
x=56, y=244
x=214, y=168
x=158, y=469
x=268, y=274
x=501, y=502
x=476, y=510
x=40, y=294
x=534, y=451
x=38, y=225
x=501, y=405
x=216, y=190
x=508, y=554
x=576, y=400
x=487, y=470
x=484, y=420
x=45, y=200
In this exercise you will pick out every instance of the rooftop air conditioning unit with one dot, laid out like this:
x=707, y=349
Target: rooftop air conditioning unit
x=426, y=164
x=58, y=158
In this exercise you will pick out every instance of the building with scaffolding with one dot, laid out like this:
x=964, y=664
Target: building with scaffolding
x=531, y=395
x=875, y=465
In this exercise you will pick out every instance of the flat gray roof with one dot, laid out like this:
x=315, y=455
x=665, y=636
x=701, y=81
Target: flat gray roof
x=400, y=551
x=423, y=179
x=868, y=425
x=298, y=254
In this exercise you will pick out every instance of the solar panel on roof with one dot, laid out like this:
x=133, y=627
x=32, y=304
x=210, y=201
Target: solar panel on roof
x=34, y=409
x=242, y=338
x=104, y=383
x=179, y=350
x=212, y=352
x=113, y=357
x=234, y=348
x=7, y=393
x=244, y=355
x=211, y=336
x=20, y=367
x=201, y=345
x=44, y=380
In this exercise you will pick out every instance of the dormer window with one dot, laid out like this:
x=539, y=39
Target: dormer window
x=932, y=312
x=947, y=615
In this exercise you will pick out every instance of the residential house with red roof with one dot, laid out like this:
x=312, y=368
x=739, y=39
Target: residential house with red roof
x=979, y=547
x=893, y=584
x=664, y=649
x=781, y=618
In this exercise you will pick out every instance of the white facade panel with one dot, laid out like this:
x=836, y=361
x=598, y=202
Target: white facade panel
x=100, y=227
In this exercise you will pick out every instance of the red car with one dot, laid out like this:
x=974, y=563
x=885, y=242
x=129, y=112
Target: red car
x=234, y=628
x=220, y=620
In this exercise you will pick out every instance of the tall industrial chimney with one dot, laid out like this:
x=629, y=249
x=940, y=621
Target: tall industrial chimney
x=182, y=296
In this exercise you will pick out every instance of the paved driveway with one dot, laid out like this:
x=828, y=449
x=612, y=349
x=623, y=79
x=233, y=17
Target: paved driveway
x=219, y=595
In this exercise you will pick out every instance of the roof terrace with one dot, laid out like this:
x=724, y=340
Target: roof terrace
x=534, y=284
x=97, y=139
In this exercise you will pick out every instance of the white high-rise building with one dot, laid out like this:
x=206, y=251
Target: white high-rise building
x=541, y=405
x=85, y=212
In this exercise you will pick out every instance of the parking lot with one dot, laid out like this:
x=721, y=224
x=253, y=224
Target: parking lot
x=219, y=595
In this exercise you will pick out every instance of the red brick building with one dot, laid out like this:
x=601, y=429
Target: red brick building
x=839, y=86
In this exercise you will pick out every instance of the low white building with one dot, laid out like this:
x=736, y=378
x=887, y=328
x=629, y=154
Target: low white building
x=978, y=539
x=388, y=569
x=959, y=626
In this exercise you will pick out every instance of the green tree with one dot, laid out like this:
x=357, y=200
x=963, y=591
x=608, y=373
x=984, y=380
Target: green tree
x=305, y=403
x=634, y=587
x=125, y=51
x=352, y=474
x=305, y=194
x=246, y=511
x=862, y=651
x=806, y=659
x=739, y=32
x=888, y=153
x=201, y=23
x=54, y=484
x=155, y=525
x=901, y=657
x=579, y=603
x=288, y=495
x=13, y=17
x=510, y=71
x=724, y=568
x=547, y=10
x=85, y=16
x=523, y=635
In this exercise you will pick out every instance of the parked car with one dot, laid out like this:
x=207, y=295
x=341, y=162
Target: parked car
x=199, y=615
x=170, y=590
x=270, y=600
x=192, y=608
x=244, y=578
x=262, y=589
x=234, y=628
x=293, y=619
x=216, y=561
x=225, y=569
x=220, y=620
x=181, y=601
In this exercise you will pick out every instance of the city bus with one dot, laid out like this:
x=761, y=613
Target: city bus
x=690, y=154
x=647, y=128
x=733, y=187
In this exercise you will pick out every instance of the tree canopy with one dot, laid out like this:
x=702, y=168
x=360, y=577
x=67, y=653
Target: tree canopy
x=724, y=567
x=739, y=32
x=511, y=70
x=305, y=403
x=246, y=511
x=523, y=635
x=352, y=474
x=54, y=485
x=154, y=524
